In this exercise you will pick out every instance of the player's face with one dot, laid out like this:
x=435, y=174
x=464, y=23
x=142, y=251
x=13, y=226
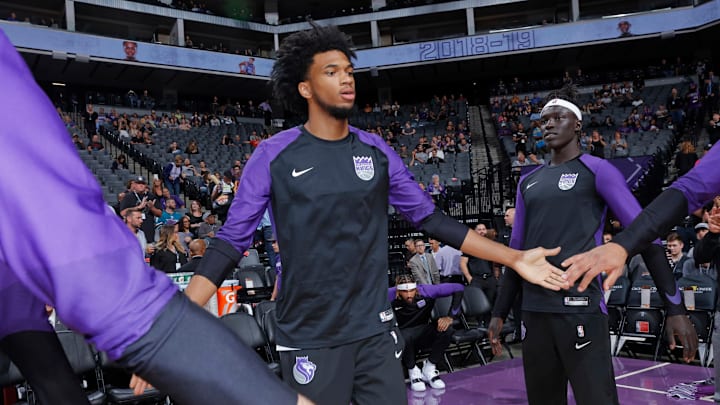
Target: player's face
x=330, y=84
x=408, y=296
x=559, y=126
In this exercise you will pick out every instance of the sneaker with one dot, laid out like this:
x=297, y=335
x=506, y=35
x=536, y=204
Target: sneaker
x=431, y=375
x=416, y=379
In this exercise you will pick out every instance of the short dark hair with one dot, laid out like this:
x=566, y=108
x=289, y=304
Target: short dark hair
x=567, y=92
x=295, y=57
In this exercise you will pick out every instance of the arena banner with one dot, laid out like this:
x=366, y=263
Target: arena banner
x=607, y=29
x=24, y=35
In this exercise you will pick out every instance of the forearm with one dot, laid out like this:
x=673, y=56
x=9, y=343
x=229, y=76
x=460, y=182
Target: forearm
x=657, y=264
x=508, y=288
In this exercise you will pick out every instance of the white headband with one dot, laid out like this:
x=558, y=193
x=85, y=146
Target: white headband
x=563, y=103
x=406, y=286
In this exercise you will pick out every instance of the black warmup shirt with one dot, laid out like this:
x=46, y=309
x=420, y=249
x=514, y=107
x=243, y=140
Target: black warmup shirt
x=328, y=204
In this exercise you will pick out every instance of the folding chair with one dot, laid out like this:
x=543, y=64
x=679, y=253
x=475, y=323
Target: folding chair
x=702, y=315
x=247, y=329
x=616, y=310
x=10, y=376
x=643, y=325
x=474, y=304
x=82, y=360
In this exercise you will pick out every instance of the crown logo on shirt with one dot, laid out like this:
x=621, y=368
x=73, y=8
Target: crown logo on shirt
x=364, y=167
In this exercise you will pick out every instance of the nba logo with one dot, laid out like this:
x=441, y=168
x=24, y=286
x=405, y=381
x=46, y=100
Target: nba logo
x=580, y=331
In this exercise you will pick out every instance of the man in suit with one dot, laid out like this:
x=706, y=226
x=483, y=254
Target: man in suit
x=197, y=250
x=423, y=266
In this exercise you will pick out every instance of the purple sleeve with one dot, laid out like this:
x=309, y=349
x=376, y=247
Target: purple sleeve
x=405, y=194
x=253, y=194
x=702, y=183
x=613, y=189
x=97, y=279
x=444, y=290
x=392, y=293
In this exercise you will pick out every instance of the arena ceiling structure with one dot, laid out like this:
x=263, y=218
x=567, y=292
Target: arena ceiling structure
x=471, y=76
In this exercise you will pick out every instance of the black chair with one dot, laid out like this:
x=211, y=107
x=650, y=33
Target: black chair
x=82, y=360
x=643, y=326
x=248, y=330
x=123, y=395
x=474, y=304
x=702, y=315
x=616, y=307
x=10, y=376
x=254, y=285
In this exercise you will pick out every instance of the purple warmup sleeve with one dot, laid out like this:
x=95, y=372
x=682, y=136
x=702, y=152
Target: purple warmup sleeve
x=612, y=187
x=444, y=290
x=97, y=278
x=702, y=183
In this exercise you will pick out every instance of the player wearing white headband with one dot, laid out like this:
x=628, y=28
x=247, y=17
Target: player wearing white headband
x=565, y=335
x=413, y=305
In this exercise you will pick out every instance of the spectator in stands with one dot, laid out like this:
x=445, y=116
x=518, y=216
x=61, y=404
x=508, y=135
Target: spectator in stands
x=447, y=260
x=120, y=163
x=179, y=203
x=196, y=216
x=437, y=191
x=90, y=117
x=676, y=255
x=172, y=175
x=713, y=128
x=226, y=140
x=77, y=142
x=423, y=266
x=188, y=169
x=197, y=249
x=686, y=158
x=436, y=157
x=169, y=215
x=133, y=220
x=409, y=250
x=169, y=254
x=619, y=145
x=419, y=156
x=95, y=145
x=520, y=161
x=690, y=267
x=413, y=305
x=185, y=235
x=138, y=198
x=481, y=273
x=408, y=129
x=192, y=148
x=597, y=145
x=676, y=104
x=209, y=228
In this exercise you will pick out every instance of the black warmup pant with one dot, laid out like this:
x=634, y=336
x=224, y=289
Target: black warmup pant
x=366, y=372
x=568, y=347
x=221, y=370
x=43, y=363
x=422, y=336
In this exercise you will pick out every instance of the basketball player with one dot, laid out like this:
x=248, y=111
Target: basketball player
x=328, y=186
x=566, y=333
x=96, y=279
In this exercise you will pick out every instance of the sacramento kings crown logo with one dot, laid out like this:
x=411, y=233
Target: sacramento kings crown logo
x=304, y=370
x=567, y=181
x=364, y=167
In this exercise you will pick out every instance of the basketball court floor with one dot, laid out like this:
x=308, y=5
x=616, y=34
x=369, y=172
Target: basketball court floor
x=639, y=382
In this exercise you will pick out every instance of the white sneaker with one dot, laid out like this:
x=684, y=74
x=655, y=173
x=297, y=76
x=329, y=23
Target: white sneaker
x=431, y=375
x=416, y=379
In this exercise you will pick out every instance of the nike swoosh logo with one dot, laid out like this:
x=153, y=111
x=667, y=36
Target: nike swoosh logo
x=579, y=346
x=530, y=185
x=296, y=173
x=398, y=354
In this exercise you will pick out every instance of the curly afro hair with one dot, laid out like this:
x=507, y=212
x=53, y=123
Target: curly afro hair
x=295, y=57
x=567, y=92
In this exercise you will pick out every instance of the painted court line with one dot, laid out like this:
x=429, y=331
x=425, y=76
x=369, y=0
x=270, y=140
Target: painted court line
x=641, y=371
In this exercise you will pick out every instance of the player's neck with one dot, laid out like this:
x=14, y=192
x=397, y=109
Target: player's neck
x=327, y=127
x=565, y=154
